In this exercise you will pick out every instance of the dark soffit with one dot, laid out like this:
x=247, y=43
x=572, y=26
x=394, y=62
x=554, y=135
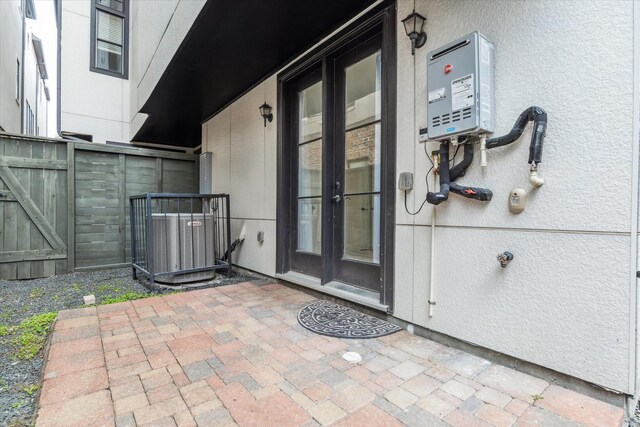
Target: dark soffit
x=232, y=46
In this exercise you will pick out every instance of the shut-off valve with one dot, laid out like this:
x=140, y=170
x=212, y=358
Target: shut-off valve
x=505, y=258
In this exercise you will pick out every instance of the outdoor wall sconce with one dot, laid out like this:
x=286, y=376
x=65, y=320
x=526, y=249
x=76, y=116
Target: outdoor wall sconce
x=265, y=112
x=413, y=27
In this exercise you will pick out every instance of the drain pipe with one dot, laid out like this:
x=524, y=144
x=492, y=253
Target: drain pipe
x=432, y=303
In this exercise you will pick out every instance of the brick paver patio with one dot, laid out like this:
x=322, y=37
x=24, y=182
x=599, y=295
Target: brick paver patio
x=235, y=355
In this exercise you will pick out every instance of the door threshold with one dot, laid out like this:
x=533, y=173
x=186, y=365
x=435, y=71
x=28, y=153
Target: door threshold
x=337, y=289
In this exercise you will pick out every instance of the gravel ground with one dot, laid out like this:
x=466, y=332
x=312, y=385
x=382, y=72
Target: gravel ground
x=22, y=299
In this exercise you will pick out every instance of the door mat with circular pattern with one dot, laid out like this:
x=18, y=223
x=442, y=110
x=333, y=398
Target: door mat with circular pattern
x=335, y=320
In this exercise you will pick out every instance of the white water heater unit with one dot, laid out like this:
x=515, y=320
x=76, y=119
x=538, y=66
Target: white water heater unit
x=460, y=88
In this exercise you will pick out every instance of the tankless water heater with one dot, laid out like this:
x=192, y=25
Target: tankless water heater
x=460, y=88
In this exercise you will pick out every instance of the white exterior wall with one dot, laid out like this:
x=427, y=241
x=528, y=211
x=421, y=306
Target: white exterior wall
x=156, y=30
x=34, y=88
x=10, y=52
x=566, y=301
x=91, y=103
x=244, y=165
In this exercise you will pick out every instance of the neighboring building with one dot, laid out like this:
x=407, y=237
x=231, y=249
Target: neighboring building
x=94, y=70
x=36, y=92
x=24, y=95
x=349, y=99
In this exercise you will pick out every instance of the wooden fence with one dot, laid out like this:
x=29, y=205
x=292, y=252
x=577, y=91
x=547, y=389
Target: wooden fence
x=64, y=205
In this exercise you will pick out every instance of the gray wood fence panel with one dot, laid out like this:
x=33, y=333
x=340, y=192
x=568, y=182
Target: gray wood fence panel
x=32, y=241
x=141, y=177
x=98, y=201
x=66, y=205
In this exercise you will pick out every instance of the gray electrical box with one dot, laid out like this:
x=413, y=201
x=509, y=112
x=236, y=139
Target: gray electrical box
x=460, y=88
x=206, y=161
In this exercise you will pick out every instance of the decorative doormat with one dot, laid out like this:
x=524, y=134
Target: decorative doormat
x=335, y=320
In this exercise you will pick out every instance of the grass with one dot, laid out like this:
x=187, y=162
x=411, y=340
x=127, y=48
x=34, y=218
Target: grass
x=127, y=296
x=29, y=336
x=36, y=293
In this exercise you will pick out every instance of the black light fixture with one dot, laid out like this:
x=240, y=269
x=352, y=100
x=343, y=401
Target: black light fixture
x=265, y=111
x=413, y=27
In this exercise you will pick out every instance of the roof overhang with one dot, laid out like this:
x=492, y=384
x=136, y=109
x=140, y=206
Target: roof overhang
x=231, y=47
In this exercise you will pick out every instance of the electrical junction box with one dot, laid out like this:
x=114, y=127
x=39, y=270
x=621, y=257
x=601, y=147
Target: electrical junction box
x=460, y=88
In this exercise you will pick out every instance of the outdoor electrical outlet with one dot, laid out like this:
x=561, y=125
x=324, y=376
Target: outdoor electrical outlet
x=405, y=181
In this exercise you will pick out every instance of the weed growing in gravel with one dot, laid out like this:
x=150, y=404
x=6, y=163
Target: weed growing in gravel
x=36, y=293
x=31, y=389
x=5, y=330
x=108, y=288
x=19, y=404
x=31, y=334
x=127, y=296
x=76, y=287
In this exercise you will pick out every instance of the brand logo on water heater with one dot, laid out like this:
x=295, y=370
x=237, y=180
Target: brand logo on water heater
x=448, y=68
x=450, y=129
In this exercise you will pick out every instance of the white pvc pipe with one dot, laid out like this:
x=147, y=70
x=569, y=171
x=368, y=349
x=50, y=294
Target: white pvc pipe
x=432, y=286
x=483, y=151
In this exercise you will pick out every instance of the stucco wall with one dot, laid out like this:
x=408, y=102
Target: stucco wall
x=10, y=52
x=565, y=298
x=564, y=302
x=244, y=165
x=91, y=103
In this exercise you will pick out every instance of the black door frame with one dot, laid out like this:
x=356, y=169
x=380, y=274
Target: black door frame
x=382, y=17
x=352, y=271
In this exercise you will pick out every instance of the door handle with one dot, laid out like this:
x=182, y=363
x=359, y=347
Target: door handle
x=336, y=198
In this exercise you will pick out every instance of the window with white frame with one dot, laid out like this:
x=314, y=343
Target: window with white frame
x=109, y=50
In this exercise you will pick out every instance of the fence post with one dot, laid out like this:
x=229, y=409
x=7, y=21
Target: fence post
x=132, y=223
x=71, y=207
x=228, y=218
x=149, y=229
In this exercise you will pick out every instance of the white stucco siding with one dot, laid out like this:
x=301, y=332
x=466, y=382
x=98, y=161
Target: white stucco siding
x=244, y=165
x=91, y=102
x=157, y=30
x=10, y=53
x=564, y=302
x=565, y=59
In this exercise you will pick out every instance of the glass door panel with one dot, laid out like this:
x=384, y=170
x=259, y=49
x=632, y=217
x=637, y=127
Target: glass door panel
x=305, y=130
x=310, y=169
x=358, y=166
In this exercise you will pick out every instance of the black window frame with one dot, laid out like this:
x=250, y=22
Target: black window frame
x=95, y=7
x=381, y=17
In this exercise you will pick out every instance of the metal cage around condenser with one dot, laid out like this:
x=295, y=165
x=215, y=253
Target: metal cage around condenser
x=180, y=238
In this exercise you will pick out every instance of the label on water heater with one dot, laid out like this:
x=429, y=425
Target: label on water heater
x=437, y=95
x=462, y=94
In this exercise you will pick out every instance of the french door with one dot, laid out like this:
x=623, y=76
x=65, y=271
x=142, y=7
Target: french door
x=335, y=186
x=357, y=166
